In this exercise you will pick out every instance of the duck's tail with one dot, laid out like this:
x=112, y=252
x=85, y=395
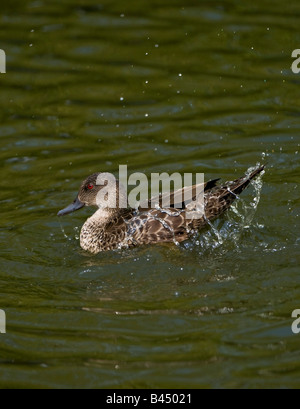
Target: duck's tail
x=220, y=198
x=239, y=185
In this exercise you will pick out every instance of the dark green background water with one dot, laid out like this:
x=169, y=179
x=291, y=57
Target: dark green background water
x=186, y=86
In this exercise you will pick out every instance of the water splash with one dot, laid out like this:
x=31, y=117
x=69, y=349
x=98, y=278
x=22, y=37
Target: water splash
x=76, y=235
x=215, y=231
x=64, y=233
x=230, y=228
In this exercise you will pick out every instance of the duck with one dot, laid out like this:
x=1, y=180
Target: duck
x=118, y=227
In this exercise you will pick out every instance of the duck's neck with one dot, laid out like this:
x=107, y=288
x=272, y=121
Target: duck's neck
x=92, y=236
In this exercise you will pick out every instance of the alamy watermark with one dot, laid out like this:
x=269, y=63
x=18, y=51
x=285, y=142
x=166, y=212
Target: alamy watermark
x=2, y=62
x=296, y=323
x=181, y=192
x=2, y=322
x=296, y=64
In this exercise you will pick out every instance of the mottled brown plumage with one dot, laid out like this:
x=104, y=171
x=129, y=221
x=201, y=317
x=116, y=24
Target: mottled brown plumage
x=113, y=228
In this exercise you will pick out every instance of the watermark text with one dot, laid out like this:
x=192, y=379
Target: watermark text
x=2, y=322
x=296, y=64
x=166, y=191
x=2, y=62
x=296, y=323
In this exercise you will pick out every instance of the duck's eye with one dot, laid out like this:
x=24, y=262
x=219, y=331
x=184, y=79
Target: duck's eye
x=90, y=186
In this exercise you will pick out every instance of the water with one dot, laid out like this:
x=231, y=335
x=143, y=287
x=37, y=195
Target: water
x=161, y=87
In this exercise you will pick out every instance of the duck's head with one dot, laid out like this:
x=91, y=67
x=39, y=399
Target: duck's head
x=100, y=190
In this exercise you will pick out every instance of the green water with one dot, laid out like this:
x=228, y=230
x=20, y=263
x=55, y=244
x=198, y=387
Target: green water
x=160, y=86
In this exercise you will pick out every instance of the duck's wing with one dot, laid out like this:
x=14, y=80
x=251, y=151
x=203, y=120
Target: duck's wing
x=158, y=226
x=180, y=198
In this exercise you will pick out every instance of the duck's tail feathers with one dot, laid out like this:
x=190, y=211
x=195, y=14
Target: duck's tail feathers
x=239, y=185
x=221, y=198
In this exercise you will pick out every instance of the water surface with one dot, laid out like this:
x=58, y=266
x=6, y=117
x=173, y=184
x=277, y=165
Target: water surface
x=162, y=87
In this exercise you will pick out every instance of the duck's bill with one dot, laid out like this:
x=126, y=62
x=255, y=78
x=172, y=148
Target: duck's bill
x=76, y=205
